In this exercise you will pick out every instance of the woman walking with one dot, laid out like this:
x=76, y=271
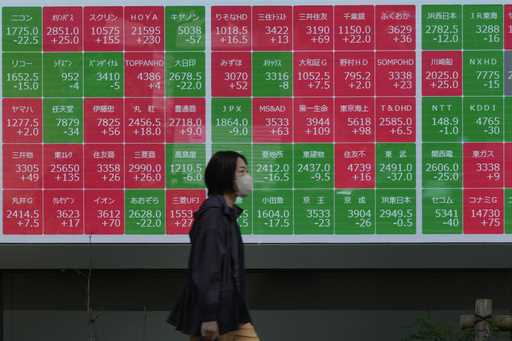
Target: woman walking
x=212, y=305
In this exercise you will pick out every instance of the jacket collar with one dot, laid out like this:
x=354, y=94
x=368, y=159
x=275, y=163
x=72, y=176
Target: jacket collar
x=219, y=201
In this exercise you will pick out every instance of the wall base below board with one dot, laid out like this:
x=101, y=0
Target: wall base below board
x=287, y=305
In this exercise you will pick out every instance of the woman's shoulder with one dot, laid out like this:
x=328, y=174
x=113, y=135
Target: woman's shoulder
x=210, y=214
x=210, y=223
x=213, y=201
x=213, y=205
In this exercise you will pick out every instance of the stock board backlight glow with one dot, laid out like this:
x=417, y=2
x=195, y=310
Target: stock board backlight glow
x=379, y=122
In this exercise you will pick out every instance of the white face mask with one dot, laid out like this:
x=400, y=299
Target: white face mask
x=243, y=185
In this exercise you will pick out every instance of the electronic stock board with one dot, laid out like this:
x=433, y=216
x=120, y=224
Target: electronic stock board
x=362, y=122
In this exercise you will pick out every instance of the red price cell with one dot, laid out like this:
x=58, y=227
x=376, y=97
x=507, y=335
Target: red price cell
x=144, y=120
x=272, y=120
x=22, y=120
x=313, y=120
x=508, y=26
x=354, y=165
x=396, y=119
x=354, y=27
x=354, y=73
x=62, y=29
x=22, y=212
x=105, y=212
x=104, y=123
x=396, y=73
x=104, y=165
x=185, y=120
x=63, y=166
x=483, y=211
x=103, y=28
x=144, y=165
x=397, y=27
x=144, y=28
x=144, y=74
x=272, y=27
x=22, y=165
x=508, y=165
x=442, y=73
x=63, y=212
x=483, y=165
x=180, y=208
x=313, y=28
x=313, y=74
x=354, y=119
x=231, y=74
x=231, y=28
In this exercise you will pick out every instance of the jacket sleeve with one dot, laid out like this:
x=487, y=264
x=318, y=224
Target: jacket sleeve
x=206, y=263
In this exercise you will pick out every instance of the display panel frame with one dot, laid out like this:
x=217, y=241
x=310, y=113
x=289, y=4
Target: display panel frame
x=416, y=238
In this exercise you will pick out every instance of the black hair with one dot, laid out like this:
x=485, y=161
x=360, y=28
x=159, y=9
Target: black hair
x=219, y=175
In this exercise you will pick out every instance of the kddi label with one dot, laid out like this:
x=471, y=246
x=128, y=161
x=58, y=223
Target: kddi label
x=484, y=108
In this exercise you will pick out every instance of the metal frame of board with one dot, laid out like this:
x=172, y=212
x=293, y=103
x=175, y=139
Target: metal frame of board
x=262, y=256
x=386, y=255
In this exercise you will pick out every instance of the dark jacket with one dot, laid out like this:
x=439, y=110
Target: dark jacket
x=215, y=282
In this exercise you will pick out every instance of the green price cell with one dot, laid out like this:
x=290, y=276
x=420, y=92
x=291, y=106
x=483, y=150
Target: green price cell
x=63, y=75
x=22, y=74
x=442, y=165
x=396, y=211
x=272, y=166
x=314, y=165
x=21, y=28
x=272, y=73
x=442, y=211
x=63, y=120
x=483, y=119
x=508, y=119
x=508, y=210
x=314, y=212
x=185, y=74
x=184, y=28
x=396, y=165
x=483, y=27
x=103, y=75
x=185, y=164
x=245, y=219
x=145, y=211
x=273, y=212
x=231, y=120
x=442, y=119
x=442, y=27
x=483, y=73
x=355, y=211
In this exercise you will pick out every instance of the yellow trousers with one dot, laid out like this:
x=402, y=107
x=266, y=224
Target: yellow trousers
x=245, y=333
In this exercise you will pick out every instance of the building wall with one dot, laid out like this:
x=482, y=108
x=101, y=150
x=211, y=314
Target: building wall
x=298, y=305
